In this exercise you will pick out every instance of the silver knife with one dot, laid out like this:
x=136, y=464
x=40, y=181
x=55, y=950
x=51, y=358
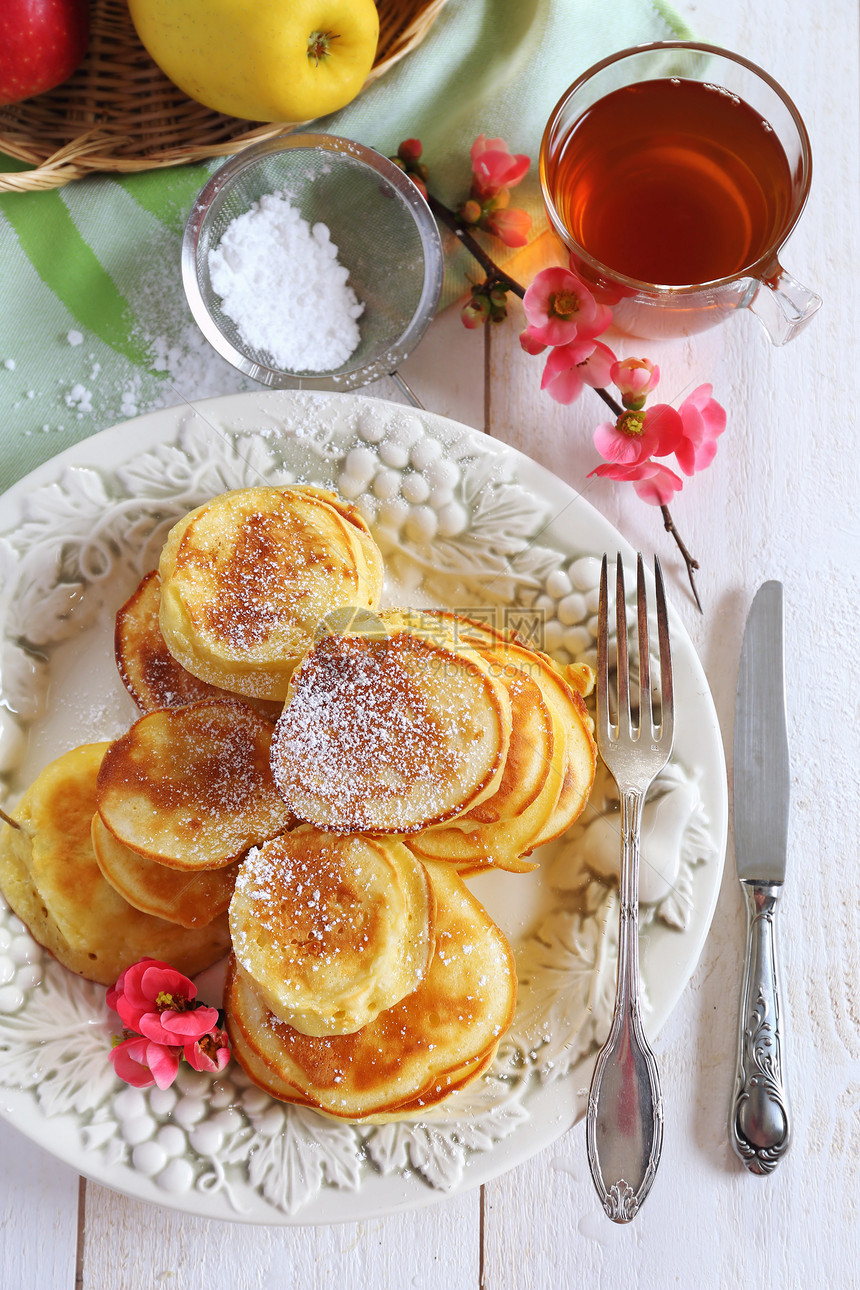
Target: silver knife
x=759, y=1126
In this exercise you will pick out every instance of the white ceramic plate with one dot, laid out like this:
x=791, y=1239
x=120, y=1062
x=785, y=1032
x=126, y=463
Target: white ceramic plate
x=464, y=522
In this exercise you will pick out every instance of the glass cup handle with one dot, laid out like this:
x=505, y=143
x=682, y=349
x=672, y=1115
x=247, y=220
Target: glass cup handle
x=783, y=305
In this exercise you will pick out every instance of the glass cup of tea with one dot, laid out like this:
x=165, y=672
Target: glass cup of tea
x=674, y=173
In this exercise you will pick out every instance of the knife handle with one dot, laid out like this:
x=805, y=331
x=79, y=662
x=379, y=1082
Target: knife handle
x=759, y=1127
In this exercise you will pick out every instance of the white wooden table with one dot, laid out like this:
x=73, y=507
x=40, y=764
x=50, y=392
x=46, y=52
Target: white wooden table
x=779, y=502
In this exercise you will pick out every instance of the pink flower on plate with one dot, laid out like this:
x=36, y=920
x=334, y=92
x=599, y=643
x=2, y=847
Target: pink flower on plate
x=494, y=167
x=652, y=481
x=131, y=998
x=569, y=368
x=636, y=436
x=512, y=225
x=703, y=421
x=155, y=1000
x=141, y=1062
x=635, y=378
x=559, y=308
x=209, y=1053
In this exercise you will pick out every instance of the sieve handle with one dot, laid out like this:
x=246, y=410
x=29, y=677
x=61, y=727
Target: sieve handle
x=411, y=396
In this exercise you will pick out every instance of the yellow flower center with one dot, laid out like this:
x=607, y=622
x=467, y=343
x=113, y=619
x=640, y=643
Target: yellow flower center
x=631, y=423
x=164, y=1000
x=564, y=304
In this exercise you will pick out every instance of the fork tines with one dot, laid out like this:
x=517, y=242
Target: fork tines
x=664, y=730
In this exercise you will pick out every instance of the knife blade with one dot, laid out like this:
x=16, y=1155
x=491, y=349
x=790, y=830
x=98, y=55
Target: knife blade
x=759, y=1126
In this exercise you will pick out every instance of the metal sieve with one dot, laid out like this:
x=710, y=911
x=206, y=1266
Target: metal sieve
x=383, y=229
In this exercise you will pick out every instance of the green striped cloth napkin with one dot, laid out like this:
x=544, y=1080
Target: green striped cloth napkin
x=94, y=327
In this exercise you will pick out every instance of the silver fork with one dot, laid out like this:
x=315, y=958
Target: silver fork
x=624, y=1121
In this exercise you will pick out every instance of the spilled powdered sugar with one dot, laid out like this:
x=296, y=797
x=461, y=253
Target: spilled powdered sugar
x=280, y=281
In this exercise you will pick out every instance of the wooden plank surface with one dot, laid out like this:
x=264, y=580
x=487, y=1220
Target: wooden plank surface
x=39, y=1208
x=780, y=501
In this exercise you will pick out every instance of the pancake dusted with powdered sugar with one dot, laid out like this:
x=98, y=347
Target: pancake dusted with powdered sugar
x=247, y=578
x=191, y=787
x=389, y=733
x=414, y=1054
x=333, y=930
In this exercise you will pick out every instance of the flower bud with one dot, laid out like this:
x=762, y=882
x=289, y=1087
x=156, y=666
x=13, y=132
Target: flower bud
x=500, y=201
x=471, y=211
x=475, y=312
x=635, y=378
x=530, y=343
x=410, y=150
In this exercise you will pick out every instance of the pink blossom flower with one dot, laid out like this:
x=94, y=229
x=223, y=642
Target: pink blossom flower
x=560, y=309
x=512, y=225
x=652, y=481
x=172, y=1027
x=141, y=1062
x=155, y=1000
x=658, y=486
x=130, y=997
x=636, y=436
x=530, y=342
x=635, y=378
x=494, y=167
x=209, y=1053
x=569, y=368
x=703, y=421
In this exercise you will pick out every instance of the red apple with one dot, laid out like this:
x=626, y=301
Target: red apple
x=41, y=44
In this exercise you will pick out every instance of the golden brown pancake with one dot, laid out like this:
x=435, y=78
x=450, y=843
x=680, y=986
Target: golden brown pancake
x=500, y=832
x=332, y=929
x=148, y=670
x=189, y=899
x=386, y=734
x=416, y=1050
x=50, y=878
x=266, y=1079
x=549, y=770
x=191, y=787
x=369, y=551
x=580, y=753
x=246, y=579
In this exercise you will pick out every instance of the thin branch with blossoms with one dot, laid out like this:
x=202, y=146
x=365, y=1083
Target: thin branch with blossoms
x=564, y=318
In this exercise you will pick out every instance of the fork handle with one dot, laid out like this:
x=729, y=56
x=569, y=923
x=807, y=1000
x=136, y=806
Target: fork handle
x=624, y=1119
x=759, y=1125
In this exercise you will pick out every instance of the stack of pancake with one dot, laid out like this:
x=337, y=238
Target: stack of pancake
x=472, y=746
x=308, y=782
x=449, y=977
x=51, y=879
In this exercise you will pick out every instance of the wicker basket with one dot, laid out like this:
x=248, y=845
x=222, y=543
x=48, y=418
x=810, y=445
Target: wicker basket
x=119, y=113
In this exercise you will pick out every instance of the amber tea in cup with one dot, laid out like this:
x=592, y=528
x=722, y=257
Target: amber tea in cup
x=674, y=173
